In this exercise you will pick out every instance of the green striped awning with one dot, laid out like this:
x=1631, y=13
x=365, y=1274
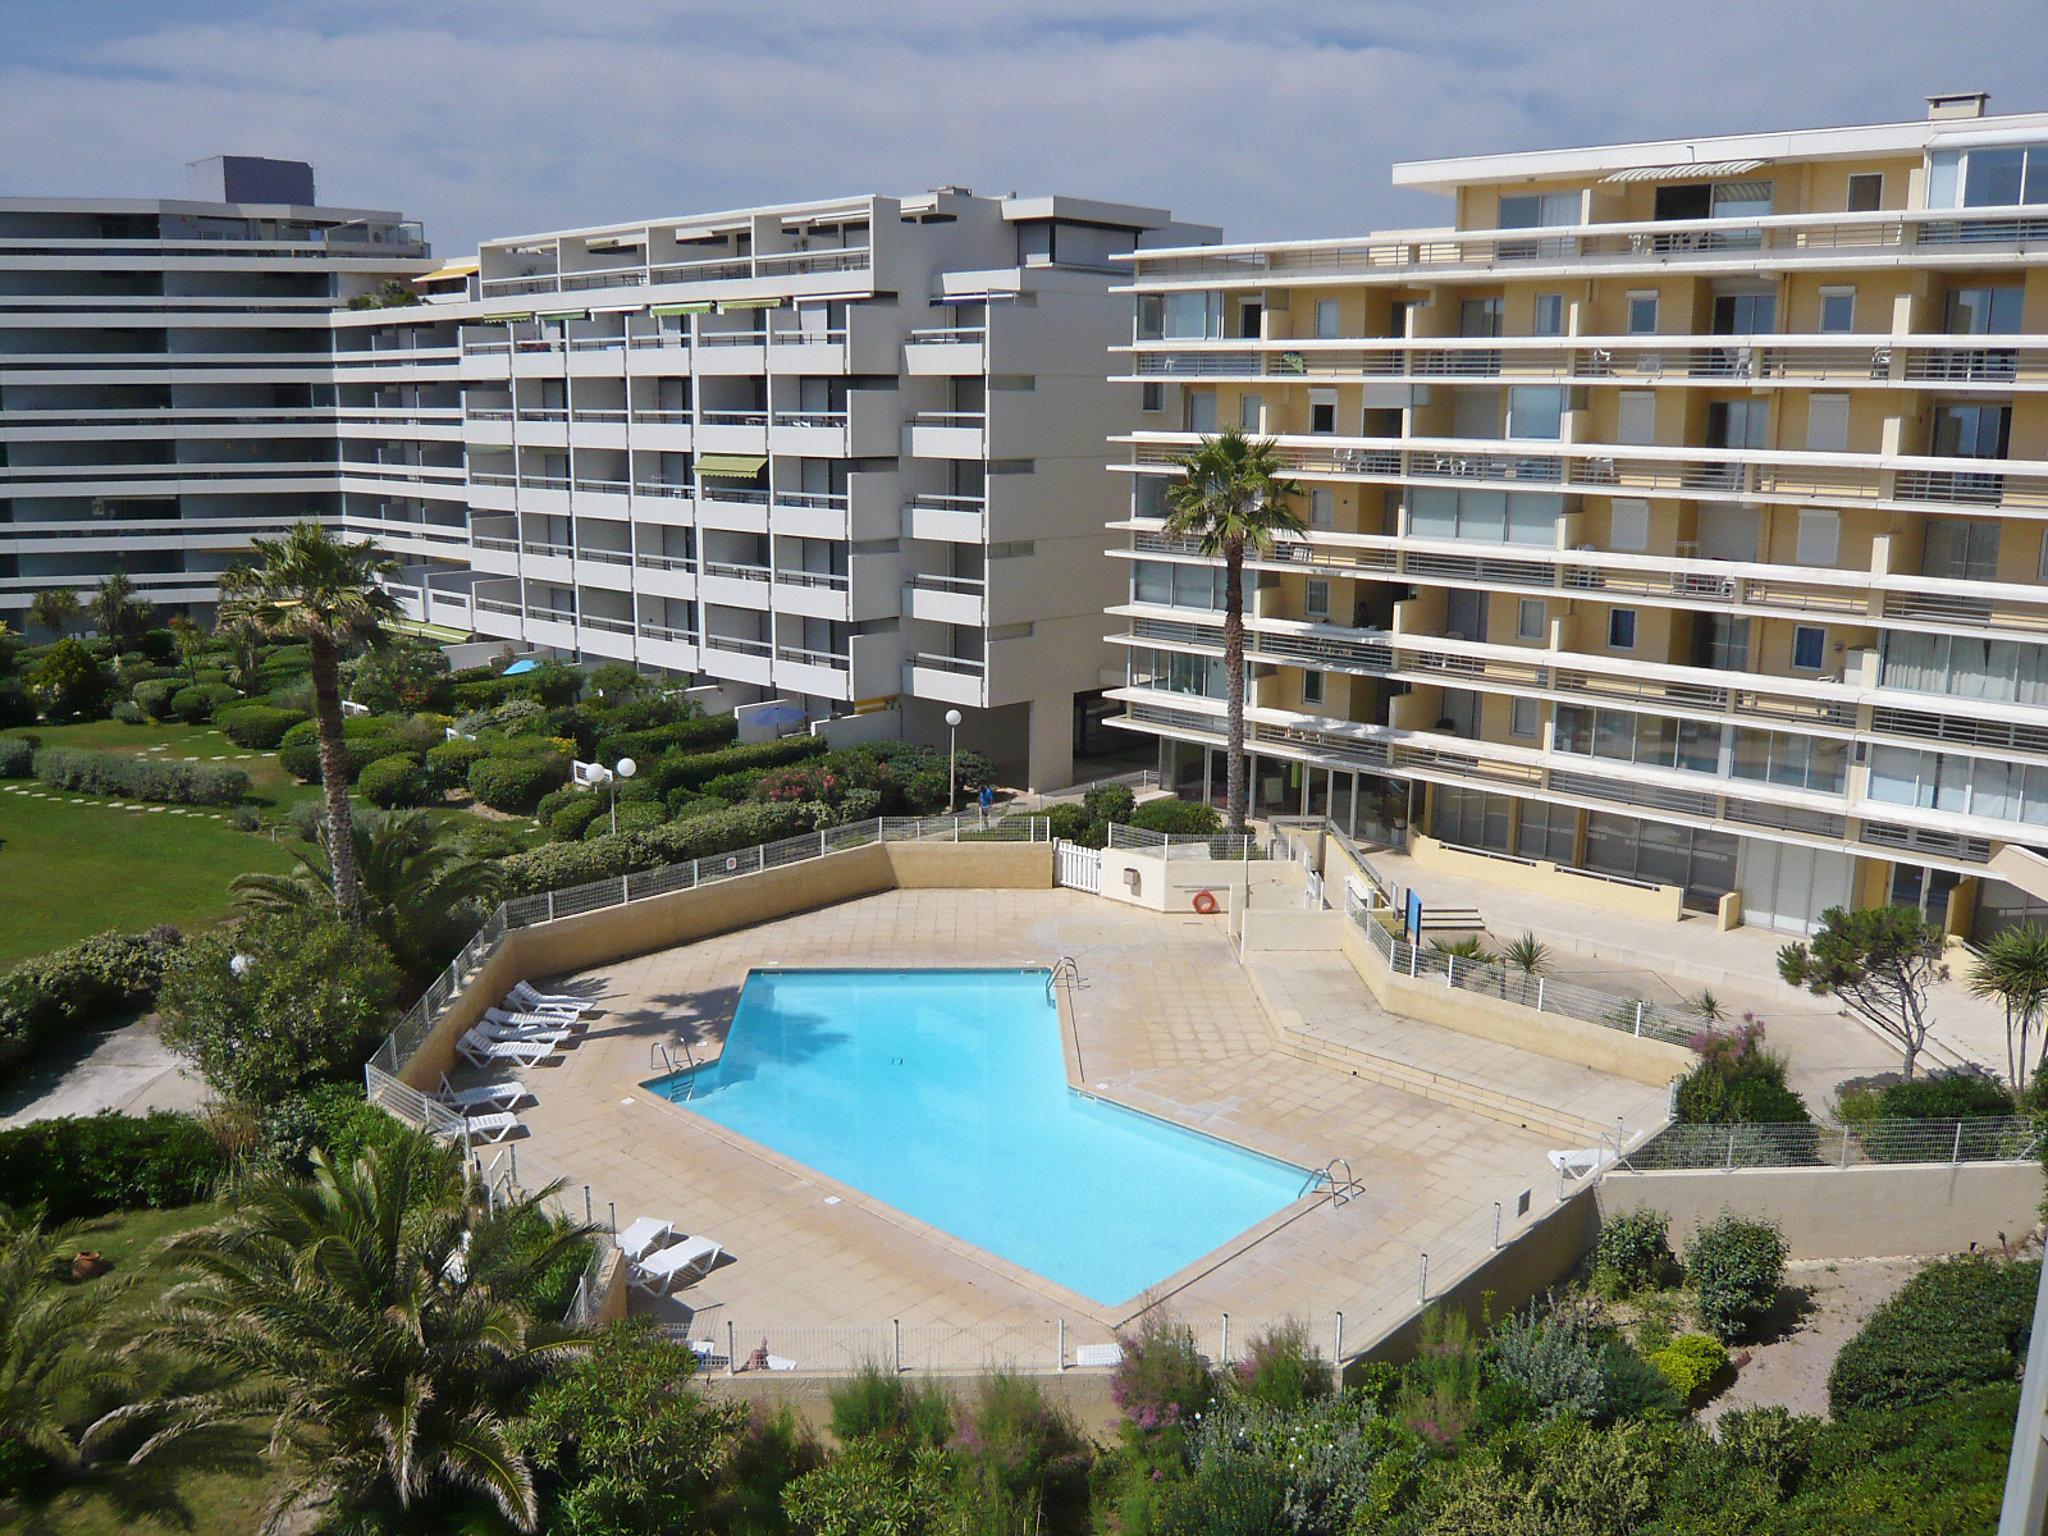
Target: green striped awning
x=731, y=466
x=511, y=317
x=440, y=632
x=702, y=307
x=565, y=314
x=727, y=305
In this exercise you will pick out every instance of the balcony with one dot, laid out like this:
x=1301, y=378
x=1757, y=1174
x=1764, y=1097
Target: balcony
x=713, y=269
x=946, y=600
x=811, y=434
x=950, y=350
x=946, y=519
x=945, y=435
x=735, y=585
x=825, y=674
x=948, y=679
x=814, y=594
x=741, y=659
x=809, y=514
x=807, y=352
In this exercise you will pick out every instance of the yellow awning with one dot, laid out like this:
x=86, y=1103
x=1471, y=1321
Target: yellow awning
x=440, y=632
x=701, y=307
x=726, y=305
x=731, y=466
x=512, y=318
x=452, y=270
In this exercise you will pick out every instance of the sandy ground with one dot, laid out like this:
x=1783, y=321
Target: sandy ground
x=1825, y=1303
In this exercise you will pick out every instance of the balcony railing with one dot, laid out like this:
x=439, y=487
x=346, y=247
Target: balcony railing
x=543, y=547
x=665, y=489
x=809, y=658
x=740, y=645
x=826, y=580
x=732, y=418
x=733, y=571
x=823, y=501
x=713, y=489
x=949, y=335
x=664, y=562
x=664, y=632
x=786, y=337
x=661, y=418
x=713, y=269
x=611, y=625
x=973, y=419
x=963, y=586
x=966, y=666
x=606, y=556
x=825, y=419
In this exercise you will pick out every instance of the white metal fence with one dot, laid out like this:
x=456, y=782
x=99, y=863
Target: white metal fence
x=1802, y=1145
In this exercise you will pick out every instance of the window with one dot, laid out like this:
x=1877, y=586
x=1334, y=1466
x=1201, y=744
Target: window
x=1968, y=667
x=1827, y=423
x=1809, y=647
x=1820, y=538
x=1322, y=503
x=1838, y=309
x=1480, y=317
x=1532, y=619
x=1322, y=410
x=1972, y=431
x=1745, y=314
x=1200, y=411
x=1535, y=411
x=1151, y=397
x=1866, y=192
x=1989, y=176
x=1311, y=687
x=1151, y=316
x=1961, y=549
x=1251, y=411
x=1525, y=718
x=1636, y=417
x=1317, y=605
x=1251, y=314
x=1642, y=314
x=1992, y=310
x=1621, y=629
x=1737, y=423
x=1548, y=319
x=1494, y=517
x=1326, y=319
x=1539, y=210
x=1629, y=524
x=1193, y=316
x=1722, y=642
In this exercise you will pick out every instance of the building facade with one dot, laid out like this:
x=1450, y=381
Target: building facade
x=845, y=454
x=166, y=375
x=1675, y=514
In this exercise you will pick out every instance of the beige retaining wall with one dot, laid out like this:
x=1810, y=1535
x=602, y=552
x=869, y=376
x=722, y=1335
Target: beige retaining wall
x=1662, y=903
x=679, y=917
x=1847, y=1213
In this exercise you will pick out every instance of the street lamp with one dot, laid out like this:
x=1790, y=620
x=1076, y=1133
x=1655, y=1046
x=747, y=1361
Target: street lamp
x=240, y=966
x=625, y=770
x=952, y=761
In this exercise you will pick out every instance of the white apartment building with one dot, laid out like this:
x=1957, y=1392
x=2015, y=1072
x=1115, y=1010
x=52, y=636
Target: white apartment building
x=1673, y=515
x=167, y=383
x=843, y=453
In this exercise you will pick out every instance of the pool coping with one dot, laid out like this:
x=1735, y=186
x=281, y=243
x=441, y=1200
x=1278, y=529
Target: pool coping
x=1110, y=1315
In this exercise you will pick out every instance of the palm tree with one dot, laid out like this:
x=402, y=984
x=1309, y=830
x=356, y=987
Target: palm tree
x=418, y=885
x=376, y=1318
x=244, y=640
x=1529, y=957
x=324, y=592
x=191, y=643
x=53, y=608
x=2012, y=966
x=1232, y=499
x=48, y=1333
x=116, y=609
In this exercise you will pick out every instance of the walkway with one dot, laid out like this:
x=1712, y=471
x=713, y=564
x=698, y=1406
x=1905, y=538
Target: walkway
x=129, y=1069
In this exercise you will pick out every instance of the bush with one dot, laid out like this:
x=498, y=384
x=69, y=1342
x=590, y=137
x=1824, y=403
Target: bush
x=140, y=777
x=395, y=781
x=82, y=1167
x=675, y=770
x=1735, y=1267
x=77, y=987
x=448, y=764
x=514, y=781
x=365, y=738
x=702, y=836
x=569, y=821
x=1963, y=1093
x=17, y=756
x=1633, y=1249
x=154, y=697
x=259, y=727
x=1771, y=1441
x=1162, y=1381
x=699, y=734
x=127, y=713
x=1959, y=1323
x=1180, y=818
x=1691, y=1363
x=873, y=1404
x=1553, y=1360
x=1739, y=1082
x=195, y=705
x=1281, y=1370
x=67, y=681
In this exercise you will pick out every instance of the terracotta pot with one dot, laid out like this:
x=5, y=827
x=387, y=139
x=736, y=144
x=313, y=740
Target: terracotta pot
x=88, y=1266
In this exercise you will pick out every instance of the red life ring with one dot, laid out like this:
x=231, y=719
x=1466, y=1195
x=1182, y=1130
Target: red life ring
x=1205, y=903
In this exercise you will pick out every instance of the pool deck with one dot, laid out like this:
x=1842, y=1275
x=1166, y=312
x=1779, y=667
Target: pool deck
x=1164, y=1020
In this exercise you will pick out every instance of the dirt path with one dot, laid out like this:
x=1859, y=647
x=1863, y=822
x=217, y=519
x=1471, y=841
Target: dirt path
x=1828, y=1300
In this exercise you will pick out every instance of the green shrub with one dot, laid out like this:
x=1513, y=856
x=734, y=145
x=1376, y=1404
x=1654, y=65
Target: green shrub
x=1633, y=1249
x=574, y=817
x=1180, y=818
x=448, y=764
x=1162, y=1381
x=365, y=738
x=873, y=1404
x=78, y=987
x=140, y=777
x=154, y=697
x=127, y=713
x=1691, y=1363
x=1735, y=1267
x=514, y=781
x=158, y=644
x=195, y=705
x=675, y=770
x=81, y=1167
x=1635, y=1388
x=1959, y=1323
x=17, y=756
x=259, y=727
x=632, y=817
x=1552, y=1358
x=1771, y=1441
x=1282, y=1370
x=714, y=832
x=1738, y=1082
x=1962, y=1093
x=395, y=781
x=701, y=733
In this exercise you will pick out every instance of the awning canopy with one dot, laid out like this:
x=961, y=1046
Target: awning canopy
x=454, y=269
x=701, y=307
x=731, y=466
x=725, y=306
x=1705, y=170
x=440, y=632
x=565, y=314
x=511, y=317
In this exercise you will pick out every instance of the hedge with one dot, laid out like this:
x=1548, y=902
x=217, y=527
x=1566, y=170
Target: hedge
x=365, y=738
x=700, y=734
x=677, y=769
x=1735, y=1267
x=17, y=757
x=395, y=781
x=77, y=1168
x=1959, y=1323
x=140, y=777
x=448, y=764
x=569, y=822
x=49, y=995
x=258, y=726
x=1178, y=818
x=195, y=705
x=514, y=781
x=557, y=865
x=155, y=696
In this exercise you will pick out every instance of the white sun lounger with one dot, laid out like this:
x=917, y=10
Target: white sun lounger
x=499, y=1095
x=481, y=1050
x=658, y=1271
x=493, y=1127
x=491, y=1029
x=524, y=995
x=647, y=1233
x=1098, y=1354
x=523, y=1020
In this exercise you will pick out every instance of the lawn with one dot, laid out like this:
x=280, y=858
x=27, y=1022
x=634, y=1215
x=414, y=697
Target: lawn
x=270, y=788
x=73, y=870
x=217, y=1486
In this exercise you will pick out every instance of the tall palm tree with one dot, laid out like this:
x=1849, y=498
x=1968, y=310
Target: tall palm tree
x=323, y=591
x=2012, y=966
x=376, y=1318
x=48, y=1338
x=53, y=608
x=419, y=885
x=1232, y=499
x=116, y=609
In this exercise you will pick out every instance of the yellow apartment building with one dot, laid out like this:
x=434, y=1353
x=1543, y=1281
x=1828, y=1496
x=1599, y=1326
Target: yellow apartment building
x=1675, y=514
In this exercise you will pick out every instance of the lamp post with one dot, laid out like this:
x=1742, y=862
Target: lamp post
x=625, y=770
x=952, y=761
x=239, y=965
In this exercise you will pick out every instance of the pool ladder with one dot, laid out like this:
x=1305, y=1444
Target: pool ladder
x=1065, y=968
x=1342, y=1189
x=659, y=1055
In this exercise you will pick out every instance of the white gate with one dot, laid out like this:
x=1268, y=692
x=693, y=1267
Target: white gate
x=1077, y=867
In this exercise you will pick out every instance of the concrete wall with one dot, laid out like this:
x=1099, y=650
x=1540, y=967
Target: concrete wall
x=1847, y=1213
x=1273, y=929
x=1665, y=903
x=970, y=866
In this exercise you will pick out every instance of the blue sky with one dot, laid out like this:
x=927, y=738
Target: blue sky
x=1274, y=118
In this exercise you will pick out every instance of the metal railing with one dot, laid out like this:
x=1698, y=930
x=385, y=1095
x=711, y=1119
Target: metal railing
x=1803, y=1145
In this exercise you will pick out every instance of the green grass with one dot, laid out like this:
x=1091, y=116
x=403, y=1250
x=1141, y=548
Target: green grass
x=209, y=1486
x=271, y=789
x=74, y=870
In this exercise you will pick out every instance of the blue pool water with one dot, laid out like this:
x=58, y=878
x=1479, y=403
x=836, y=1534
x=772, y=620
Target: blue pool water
x=944, y=1094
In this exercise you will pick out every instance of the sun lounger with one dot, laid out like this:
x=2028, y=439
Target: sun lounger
x=499, y=1095
x=521, y=1019
x=1098, y=1354
x=643, y=1235
x=658, y=1271
x=493, y=1127
x=524, y=995
x=493, y=1030
x=479, y=1050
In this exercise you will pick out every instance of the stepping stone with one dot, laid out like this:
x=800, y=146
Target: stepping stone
x=161, y=747
x=80, y=800
x=156, y=810
x=191, y=759
x=178, y=810
x=218, y=757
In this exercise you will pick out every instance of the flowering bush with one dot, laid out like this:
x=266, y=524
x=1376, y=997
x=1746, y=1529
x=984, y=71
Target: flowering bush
x=1281, y=1370
x=1161, y=1382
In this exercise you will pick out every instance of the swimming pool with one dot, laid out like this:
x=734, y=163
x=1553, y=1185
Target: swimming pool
x=944, y=1094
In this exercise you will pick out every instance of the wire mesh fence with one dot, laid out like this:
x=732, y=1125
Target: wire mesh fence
x=1806, y=1145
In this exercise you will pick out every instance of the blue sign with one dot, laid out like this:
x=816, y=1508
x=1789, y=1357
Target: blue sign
x=988, y=797
x=1413, y=919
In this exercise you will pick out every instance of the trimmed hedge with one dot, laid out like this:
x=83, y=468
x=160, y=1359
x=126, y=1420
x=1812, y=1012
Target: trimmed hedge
x=365, y=738
x=514, y=781
x=723, y=831
x=257, y=726
x=154, y=697
x=700, y=734
x=395, y=781
x=448, y=764
x=17, y=757
x=82, y=1167
x=676, y=769
x=195, y=705
x=1179, y=818
x=569, y=822
x=1735, y=1267
x=140, y=777
x=49, y=995
x=1958, y=1324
